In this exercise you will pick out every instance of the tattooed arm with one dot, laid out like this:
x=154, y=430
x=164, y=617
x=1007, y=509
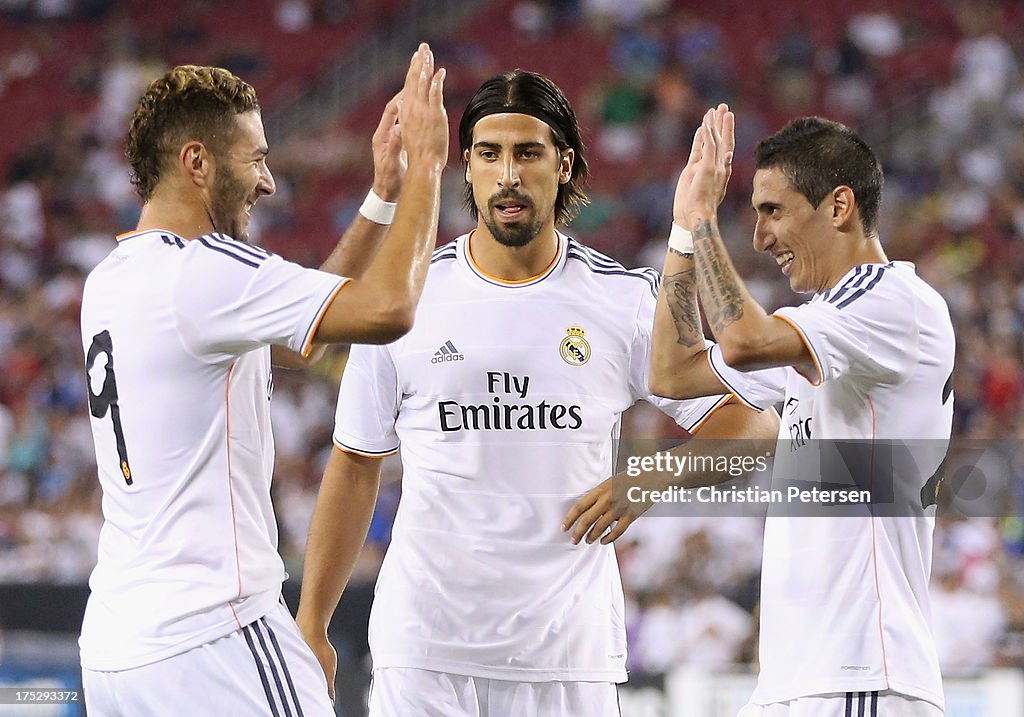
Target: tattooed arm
x=750, y=339
x=679, y=367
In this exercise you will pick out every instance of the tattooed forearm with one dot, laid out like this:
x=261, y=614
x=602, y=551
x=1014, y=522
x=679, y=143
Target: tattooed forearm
x=719, y=286
x=681, y=295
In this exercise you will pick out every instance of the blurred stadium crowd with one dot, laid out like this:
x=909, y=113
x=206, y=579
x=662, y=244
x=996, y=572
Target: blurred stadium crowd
x=935, y=85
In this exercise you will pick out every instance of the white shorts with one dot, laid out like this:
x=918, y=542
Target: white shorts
x=846, y=704
x=263, y=670
x=408, y=692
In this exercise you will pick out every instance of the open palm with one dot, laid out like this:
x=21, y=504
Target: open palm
x=703, y=181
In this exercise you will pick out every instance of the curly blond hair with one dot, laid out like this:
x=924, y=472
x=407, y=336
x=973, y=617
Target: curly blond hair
x=188, y=103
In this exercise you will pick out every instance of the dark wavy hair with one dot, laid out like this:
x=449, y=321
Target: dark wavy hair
x=188, y=103
x=817, y=155
x=521, y=91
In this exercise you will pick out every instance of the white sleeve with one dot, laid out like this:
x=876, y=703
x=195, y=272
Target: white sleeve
x=364, y=422
x=868, y=331
x=757, y=389
x=689, y=413
x=232, y=298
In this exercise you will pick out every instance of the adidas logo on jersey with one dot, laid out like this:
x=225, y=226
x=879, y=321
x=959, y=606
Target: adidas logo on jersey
x=446, y=353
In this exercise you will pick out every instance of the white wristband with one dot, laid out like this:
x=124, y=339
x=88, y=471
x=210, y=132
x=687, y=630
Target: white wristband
x=377, y=210
x=680, y=239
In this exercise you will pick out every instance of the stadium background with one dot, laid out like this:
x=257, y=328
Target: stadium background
x=935, y=85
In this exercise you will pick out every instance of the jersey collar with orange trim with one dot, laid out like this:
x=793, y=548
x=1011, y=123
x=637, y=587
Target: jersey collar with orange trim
x=556, y=262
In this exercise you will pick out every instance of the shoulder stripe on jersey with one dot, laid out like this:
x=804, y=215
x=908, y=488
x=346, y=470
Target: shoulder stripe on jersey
x=605, y=261
x=860, y=274
x=284, y=666
x=448, y=251
x=860, y=292
x=597, y=256
x=259, y=251
x=227, y=252
x=263, y=673
x=651, y=282
x=832, y=292
x=636, y=274
x=254, y=251
x=609, y=265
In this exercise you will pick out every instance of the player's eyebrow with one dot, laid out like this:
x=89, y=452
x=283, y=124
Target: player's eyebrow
x=261, y=151
x=518, y=146
x=765, y=206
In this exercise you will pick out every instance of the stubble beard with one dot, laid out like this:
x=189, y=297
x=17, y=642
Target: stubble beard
x=227, y=203
x=513, y=235
x=518, y=234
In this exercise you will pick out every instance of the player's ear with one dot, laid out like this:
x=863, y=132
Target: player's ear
x=469, y=173
x=565, y=167
x=196, y=163
x=844, y=206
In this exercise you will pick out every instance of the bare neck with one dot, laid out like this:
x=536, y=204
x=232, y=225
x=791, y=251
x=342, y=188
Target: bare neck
x=865, y=250
x=513, y=263
x=168, y=210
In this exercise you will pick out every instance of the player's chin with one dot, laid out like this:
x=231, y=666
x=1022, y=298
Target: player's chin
x=799, y=286
x=241, y=229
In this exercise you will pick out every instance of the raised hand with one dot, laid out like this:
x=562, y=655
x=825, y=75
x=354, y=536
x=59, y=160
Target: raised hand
x=389, y=162
x=703, y=181
x=422, y=120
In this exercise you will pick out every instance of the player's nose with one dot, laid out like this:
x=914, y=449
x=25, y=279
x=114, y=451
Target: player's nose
x=266, y=185
x=763, y=239
x=509, y=173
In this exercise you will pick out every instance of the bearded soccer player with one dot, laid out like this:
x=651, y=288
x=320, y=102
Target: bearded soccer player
x=505, y=400
x=178, y=323
x=868, y=361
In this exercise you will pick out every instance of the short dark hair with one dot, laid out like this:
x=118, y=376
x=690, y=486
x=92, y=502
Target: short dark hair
x=817, y=155
x=187, y=103
x=521, y=91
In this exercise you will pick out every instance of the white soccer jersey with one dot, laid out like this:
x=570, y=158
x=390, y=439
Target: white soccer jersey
x=177, y=335
x=844, y=600
x=505, y=399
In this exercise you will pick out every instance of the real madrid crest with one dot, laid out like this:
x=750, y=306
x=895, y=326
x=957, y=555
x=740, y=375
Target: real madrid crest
x=574, y=348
